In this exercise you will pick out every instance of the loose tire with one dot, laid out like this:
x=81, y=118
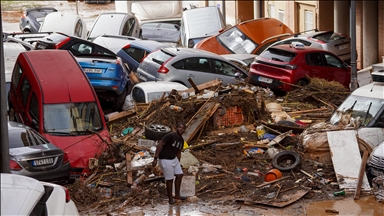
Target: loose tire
x=286, y=161
x=156, y=131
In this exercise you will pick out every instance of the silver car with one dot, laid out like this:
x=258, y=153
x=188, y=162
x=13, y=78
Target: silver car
x=337, y=43
x=180, y=64
x=32, y=155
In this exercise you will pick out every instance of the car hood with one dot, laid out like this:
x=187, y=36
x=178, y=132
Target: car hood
x=81, y=148
x=212, y=44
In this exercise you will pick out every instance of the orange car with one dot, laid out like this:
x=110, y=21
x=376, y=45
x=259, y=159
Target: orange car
x=252, y=37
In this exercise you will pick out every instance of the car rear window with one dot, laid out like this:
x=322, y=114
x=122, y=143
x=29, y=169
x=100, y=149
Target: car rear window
x=329, y=37
x=22, y=138
x=278, y=55
x=159, y=56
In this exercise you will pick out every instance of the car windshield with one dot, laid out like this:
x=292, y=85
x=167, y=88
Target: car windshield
x=236, y=41
x=72, y=118
x=22, y=138
x=358, y=107
x=278, y=55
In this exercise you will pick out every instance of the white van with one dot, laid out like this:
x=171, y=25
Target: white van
x=199, y=23
x=152, y=11
x=68, y=23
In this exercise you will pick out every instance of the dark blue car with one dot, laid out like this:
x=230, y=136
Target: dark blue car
x=33, y=17
x=134, y=52
x=108, y=76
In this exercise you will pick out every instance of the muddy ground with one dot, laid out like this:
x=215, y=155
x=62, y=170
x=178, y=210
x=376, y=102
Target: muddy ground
x=224, y=189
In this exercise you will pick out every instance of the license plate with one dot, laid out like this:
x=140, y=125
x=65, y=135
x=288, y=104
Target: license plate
x=143, y=77
x=42, y=162
x=265, y=79
x=341, y=47
x=93, y=70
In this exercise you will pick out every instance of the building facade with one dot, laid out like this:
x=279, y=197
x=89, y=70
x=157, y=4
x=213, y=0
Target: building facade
x=323, y=15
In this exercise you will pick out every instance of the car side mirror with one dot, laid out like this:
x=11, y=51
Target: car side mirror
x=238, y=75
x=106, y=118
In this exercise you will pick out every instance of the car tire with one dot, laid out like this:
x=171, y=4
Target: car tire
x=121, y=99
x=302, y=82
x=156, y=131
x=280, y=161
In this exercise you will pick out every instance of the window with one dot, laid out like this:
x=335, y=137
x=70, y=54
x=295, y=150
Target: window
x=272, y=11
x=308, y=20
x=280, y=15
x=128, y=27
x=179, y=65
x=332, y=61
x=224, y=68
x=380, y=121
x=138, y=95
x=314, y=59
x=135, y=53
x=79, y=28
x=34, y=107
x=197, y=64
x=81, y=48
x=236, y=41
x=25, y=90
x=278, y=55
x=16, y=74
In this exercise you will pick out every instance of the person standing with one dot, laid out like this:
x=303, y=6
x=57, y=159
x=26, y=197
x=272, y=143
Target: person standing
x=168, y=152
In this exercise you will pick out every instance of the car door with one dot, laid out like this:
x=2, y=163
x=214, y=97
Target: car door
x=227, y=73
x=196, y=68
x=315, y=66
x=132, y=56
x=337, y=70
x=131, y=28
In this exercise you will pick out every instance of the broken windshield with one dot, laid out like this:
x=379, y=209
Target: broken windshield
x=358, y=107
x=236, y=41
x=72, y=118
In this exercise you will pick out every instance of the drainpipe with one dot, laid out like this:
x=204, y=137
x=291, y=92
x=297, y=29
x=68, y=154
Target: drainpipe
x=225, y=17
x=4, y=160
x=352, y=23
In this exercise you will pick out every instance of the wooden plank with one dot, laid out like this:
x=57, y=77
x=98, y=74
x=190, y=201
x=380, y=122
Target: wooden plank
x=361, y=174
x=121, y=116
x=206, y=85
x=197, y=91
x=196, y=122
x=128, y=162
x=346, y=157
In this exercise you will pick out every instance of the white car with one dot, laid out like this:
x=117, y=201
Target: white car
x=68, y=23
x=146, y=92
x=22, y=195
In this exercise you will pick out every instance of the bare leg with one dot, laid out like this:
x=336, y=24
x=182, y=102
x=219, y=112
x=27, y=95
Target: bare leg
x=178, y=185
x=169, y=184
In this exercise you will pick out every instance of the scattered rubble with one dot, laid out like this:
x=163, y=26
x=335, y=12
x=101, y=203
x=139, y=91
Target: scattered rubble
x=229, y=149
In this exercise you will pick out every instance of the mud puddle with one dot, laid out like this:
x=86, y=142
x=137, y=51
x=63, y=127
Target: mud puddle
x=347, y=206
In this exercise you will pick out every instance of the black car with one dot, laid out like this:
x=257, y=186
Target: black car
x=30, y=154
x=33, y=17
x=74, y=44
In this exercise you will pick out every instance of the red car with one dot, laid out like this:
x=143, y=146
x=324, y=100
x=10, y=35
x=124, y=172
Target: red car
x=50, y=93
x=280, y=66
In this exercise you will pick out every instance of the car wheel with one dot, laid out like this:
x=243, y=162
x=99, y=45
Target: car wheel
x=302, y=82
x=156, y=131
x=286, y=161
x=121, y=99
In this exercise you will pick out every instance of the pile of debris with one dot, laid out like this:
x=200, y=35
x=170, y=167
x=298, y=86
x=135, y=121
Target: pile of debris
x=241, y=145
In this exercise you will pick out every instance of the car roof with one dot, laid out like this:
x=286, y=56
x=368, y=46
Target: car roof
x=312, y=34
x=238, y=56
x=372, y=90
x=19, y=194
x=58, y=69
x=192, y=52
x=160, y=86
x=17, y=126
x=305, y=49
x=149, y=44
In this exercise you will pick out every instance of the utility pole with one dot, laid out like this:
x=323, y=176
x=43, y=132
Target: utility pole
x=4, y=164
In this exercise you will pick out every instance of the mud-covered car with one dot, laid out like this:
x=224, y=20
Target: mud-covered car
x=375, y=162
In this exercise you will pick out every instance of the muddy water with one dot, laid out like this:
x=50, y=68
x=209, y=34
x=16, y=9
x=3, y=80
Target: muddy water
x=348, y=206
